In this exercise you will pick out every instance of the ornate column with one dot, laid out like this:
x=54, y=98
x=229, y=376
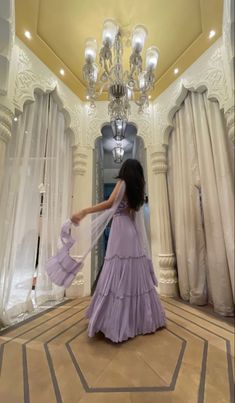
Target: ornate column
x=166, y=257
x=228, y=59
x=230, y=122
x=6, y=116
x=7, y=34
x=82, y=197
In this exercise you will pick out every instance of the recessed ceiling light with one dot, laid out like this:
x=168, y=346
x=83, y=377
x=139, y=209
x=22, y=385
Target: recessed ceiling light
x=149, y=97
x=211, y=34
x=176, y=71
x=15, y=119
x=87, y=97
x=62, y=72
x=27, y=34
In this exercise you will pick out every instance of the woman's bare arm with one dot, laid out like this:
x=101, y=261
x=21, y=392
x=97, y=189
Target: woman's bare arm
x=98, y=207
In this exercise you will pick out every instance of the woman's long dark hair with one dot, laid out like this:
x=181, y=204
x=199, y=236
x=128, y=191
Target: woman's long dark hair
x=132, y=173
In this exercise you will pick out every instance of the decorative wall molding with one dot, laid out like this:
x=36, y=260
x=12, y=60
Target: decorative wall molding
x=32, y=75
x=229, y=39
x=207, y=73
x=95, y=118
x=7, y=36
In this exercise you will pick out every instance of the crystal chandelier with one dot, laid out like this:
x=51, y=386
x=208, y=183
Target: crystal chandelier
x=121, y=85
x=118, y=153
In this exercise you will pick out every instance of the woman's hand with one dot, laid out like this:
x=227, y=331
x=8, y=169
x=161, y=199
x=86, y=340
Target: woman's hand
x=76, y=218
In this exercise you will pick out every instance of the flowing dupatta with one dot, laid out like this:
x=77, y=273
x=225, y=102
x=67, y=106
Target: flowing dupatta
x=62, y=268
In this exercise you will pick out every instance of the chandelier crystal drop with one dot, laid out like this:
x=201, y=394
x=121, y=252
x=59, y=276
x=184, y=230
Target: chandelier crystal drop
x=121, y=85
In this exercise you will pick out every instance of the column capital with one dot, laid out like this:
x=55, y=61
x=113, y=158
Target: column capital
x=6, y=117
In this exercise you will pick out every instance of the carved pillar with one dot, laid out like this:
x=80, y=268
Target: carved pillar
x=7, y=34
x=166, y=257
x=6, y=116
x=82, y=197
x=228, y=63
x=230, y=121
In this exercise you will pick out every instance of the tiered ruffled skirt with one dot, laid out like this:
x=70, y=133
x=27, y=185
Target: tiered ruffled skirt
x=125, y=303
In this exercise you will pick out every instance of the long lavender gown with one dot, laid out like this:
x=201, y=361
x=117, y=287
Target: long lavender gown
x=125, y=302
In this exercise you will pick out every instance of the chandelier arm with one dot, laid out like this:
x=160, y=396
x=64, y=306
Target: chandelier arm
x=102, y=88
x=106, y=68
x=119, y=83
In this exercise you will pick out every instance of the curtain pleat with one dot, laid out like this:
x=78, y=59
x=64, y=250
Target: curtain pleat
x=38, y=151
x=19, y=210
x=201, y=197
x=56, y=202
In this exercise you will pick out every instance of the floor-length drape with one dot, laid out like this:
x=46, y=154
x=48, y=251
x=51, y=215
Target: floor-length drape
x=200, y=180
x=38, y=153
x=19, y=209
x=56, y=200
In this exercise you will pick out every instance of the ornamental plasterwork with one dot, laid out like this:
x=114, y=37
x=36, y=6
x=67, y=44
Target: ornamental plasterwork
x=207, y=73
x=98, y=116
x=95, y=118
x=31, y=75
x=27, y=80
x=6, y=42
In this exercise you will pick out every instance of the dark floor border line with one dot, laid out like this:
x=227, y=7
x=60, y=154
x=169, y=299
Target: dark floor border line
x=50, y=362
x=13, y=327
x=206, y=309
x=201, y=389
x=74, y=361
x=230, y=370
x=27, y=320
x=198, y=316
x=53, y=376
x=68, y=328
x=228, y=353
x=194, y=323
x=25, y=374
x=42, y=323
x=128, y=389
x=8, y=341
x=179, y=361
x=53, y=327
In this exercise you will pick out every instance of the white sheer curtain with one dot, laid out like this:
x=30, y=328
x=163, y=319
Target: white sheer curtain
x=201, y=195
x=39, y=151
x=19, y=209
x=56, y=201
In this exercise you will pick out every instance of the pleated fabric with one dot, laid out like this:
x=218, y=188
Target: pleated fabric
x=125, y=303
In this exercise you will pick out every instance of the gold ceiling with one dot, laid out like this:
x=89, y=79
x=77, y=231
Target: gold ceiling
x=59, y=28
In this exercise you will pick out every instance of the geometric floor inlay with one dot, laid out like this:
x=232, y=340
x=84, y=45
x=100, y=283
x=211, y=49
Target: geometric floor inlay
x=49, y=358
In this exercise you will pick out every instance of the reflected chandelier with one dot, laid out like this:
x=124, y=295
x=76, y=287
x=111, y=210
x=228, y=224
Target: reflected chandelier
x=118, y=153
x=121, y=85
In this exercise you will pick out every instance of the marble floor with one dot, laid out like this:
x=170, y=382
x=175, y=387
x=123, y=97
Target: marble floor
x=50, y=359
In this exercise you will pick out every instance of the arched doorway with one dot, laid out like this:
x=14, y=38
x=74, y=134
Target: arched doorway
x=105, y=171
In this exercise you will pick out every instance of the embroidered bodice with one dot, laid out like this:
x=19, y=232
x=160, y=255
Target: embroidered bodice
x=122, y=207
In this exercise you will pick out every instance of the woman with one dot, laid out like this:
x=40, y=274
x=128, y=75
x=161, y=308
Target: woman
x=125, y=302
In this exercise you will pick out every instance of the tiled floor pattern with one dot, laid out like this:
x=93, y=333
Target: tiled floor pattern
x=50, y=359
